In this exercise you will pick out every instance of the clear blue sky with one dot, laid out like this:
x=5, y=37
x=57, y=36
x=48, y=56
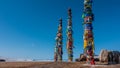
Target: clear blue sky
x=28, y=27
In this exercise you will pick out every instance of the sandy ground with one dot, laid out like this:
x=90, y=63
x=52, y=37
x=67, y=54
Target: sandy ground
x=53, y=65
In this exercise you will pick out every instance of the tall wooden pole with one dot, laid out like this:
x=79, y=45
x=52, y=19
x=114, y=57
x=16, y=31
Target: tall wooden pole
x=88, y=33
x=69, y=37
x=59, y=44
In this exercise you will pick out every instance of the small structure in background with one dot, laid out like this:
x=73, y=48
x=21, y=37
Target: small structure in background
x=58, y=48
x=88, y=34
x=2, y=60
x=69, y=37
x=109, y=57
x=83, y=58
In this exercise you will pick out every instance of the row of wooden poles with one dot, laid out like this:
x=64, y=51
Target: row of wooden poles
x=58, y=48
x=88, y=17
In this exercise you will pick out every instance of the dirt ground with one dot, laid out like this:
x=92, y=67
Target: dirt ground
x=53, y=65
